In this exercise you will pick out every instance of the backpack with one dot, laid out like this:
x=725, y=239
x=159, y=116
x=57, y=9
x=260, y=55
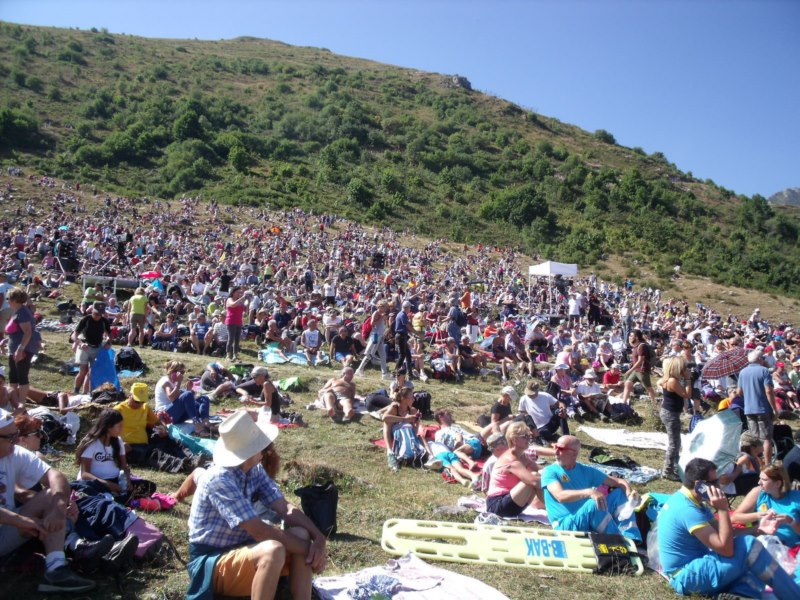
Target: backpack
x=320, y=503
x=128, y=359
x=366, y=328
x=602, y=456
x=54, y=430
x=650, y=357
x=422, y=402
x=406, y=446
x=461, y=318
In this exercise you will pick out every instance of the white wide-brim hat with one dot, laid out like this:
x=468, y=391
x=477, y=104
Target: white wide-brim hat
x=240, y=439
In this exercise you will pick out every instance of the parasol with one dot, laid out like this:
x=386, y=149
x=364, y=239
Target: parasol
x=726, y=363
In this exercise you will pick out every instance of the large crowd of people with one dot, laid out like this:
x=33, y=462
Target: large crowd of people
x=198, y=277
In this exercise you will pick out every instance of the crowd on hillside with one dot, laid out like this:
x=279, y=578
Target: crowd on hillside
x=209, y=279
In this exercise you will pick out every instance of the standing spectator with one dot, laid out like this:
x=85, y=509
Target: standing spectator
x=640, y=369
x=138, y=310
x=675, y=391
x=376, y=342
x=757, y=389
x=23, y=342
x=91, y=333
x=234, y=320
x=403, y=329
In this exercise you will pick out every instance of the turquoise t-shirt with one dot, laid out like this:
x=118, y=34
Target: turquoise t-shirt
x=788, y=505
x=678, y=519
x=580, y=477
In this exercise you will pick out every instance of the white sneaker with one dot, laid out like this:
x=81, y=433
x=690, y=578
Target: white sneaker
x=423, y=376
x=387, y=376
x=433, y=464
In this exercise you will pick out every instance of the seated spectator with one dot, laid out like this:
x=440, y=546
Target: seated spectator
x=166, y=336
x=575, y=503
x=311, y=341
x=773, y=497
x=339, y=393
x=515, y=481
x=699, y=553
x=501, y=412
x=741, y=476
x=31, y=435
x=217, y=381
x=101, y=452
x=219, y=336
x=260, y=391
x=472, y=360
x=179, y=404
x=42, y=514
x=200, y=334
x=147, y=442
x=566, y=391
x=547, y=413
x=232, y=551
x=590, y=395
x=343, y=347
x=402, y=427
x=612, y=380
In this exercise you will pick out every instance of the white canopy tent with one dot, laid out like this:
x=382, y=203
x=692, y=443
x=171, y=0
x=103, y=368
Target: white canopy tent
x=550, y=269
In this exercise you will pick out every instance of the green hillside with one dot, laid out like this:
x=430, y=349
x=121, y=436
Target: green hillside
x=256, y=121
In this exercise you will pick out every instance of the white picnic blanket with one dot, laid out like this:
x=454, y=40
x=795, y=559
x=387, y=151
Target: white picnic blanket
x=626, y=437
x=405, y=578
x=478, y=503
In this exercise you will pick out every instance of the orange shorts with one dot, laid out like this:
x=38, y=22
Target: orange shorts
x=234, y=572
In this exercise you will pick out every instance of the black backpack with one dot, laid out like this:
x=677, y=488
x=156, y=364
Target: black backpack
x=461, y=319
x=54, y=430
x=128, y=359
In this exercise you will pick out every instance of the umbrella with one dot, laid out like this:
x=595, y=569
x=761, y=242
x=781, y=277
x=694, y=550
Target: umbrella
x=726, y=363
x=150, y=275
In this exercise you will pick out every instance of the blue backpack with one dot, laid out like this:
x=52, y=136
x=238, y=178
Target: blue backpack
x=406, y=445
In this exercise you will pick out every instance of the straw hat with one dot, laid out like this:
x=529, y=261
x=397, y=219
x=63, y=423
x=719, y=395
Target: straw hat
x=240, y=439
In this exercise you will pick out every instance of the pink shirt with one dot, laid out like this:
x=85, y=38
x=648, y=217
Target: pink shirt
x=234, y=315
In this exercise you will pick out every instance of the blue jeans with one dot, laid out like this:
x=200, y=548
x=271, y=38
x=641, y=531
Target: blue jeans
x=188, y=406
x=746, y=573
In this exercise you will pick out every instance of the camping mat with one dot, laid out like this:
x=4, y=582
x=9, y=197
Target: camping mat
x=494, y=545
x=271, y=356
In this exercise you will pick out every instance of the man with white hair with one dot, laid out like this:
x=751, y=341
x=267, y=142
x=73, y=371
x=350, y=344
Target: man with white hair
x=756, y=388
x=232, y=551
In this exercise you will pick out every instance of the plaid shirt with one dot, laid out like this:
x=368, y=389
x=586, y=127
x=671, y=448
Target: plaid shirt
x=224, y=498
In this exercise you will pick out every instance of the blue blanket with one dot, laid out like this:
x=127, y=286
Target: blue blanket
x=271, y=356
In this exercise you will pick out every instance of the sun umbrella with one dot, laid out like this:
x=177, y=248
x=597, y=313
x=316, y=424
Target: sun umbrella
x=726, y=363
x=150, y=275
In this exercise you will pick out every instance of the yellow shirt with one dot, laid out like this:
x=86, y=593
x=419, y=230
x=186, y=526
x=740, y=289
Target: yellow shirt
x=138, y=305
x=135, y=422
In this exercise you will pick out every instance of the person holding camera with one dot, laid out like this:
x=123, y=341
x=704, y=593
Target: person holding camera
x=234, y=320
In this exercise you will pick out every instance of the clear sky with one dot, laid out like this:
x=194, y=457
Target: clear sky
x=713, y=84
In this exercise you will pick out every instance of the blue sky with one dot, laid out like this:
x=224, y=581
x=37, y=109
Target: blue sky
x=714, y=85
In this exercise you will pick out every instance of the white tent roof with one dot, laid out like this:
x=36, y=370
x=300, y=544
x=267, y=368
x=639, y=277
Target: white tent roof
x=550, y=268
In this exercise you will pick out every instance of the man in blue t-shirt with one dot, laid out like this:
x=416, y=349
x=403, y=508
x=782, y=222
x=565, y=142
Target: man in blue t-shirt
x=573, y=500
x=700, y=555
x=403, y=329
x=758, y=391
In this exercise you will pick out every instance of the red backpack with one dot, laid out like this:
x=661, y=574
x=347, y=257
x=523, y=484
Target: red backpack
x=366, y=328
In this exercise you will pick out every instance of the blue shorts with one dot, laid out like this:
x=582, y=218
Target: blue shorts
x=477, y=447
x=448, y=458
x=340, y=356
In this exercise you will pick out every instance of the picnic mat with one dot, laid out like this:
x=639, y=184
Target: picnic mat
x=405, y=578
x=626, y=437
x=272, y=356
x=478, y=504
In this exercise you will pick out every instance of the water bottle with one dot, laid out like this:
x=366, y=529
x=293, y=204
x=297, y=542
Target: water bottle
x=122, y=481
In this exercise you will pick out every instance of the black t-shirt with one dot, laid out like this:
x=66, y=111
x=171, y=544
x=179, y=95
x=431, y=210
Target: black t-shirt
x=342, y=344
x=251, y=387
x=92, y=331
x=225, y=283
x=501, y=410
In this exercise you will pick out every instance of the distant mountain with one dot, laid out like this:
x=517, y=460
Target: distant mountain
x=788, y=197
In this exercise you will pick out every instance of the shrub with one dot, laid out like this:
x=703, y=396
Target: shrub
x=604, y=136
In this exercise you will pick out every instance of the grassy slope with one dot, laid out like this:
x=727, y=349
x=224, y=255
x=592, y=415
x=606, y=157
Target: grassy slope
x=370, y=493
x=430, y=158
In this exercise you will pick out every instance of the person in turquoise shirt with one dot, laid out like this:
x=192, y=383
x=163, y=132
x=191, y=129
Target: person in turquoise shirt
x=574, y=501
x=773, y=496
x=699, y=553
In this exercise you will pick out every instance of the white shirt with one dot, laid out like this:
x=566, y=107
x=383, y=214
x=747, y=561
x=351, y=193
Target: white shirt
x=102, y=456
x=163, y=387
x=22, y=468
x=539, y=408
